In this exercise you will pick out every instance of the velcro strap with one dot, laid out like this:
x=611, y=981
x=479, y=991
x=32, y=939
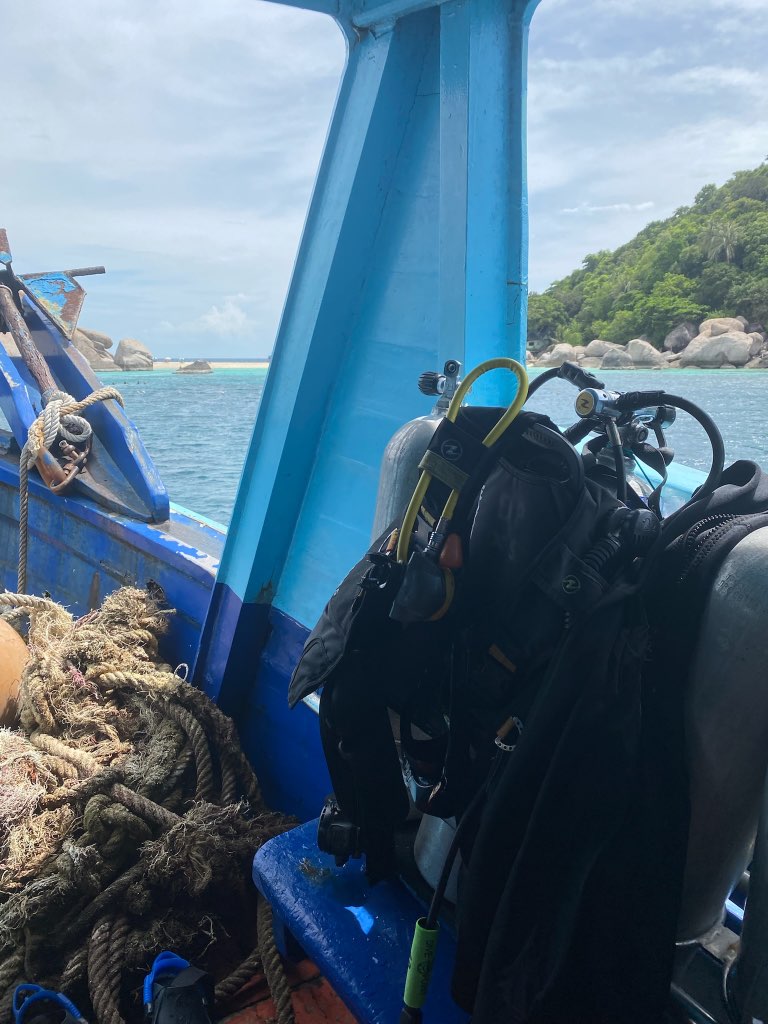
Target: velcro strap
x=443, y=471
x=452, y=455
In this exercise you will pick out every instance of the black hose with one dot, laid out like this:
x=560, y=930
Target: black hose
x=637, y=399
x=543, y=378
x=579, y=430
x=571, y=372
x=442, y=883
x=715, y=439
x=618, y=457
x=602, y=554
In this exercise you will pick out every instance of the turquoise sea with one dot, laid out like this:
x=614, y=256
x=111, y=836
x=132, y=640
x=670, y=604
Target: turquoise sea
x=197, y=428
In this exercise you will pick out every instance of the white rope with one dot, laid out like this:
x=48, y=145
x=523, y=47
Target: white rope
x=75, y=429
x=58, y=418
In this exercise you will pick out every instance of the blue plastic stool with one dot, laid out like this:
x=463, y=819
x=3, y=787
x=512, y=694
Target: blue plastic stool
x=359, y=937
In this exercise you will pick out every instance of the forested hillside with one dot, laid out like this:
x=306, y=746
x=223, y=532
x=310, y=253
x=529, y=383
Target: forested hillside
x=706, y=260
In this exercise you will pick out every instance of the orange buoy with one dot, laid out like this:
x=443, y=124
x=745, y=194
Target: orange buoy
x=13, y=658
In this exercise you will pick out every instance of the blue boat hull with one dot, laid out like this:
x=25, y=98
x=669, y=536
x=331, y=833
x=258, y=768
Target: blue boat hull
x=79, y=552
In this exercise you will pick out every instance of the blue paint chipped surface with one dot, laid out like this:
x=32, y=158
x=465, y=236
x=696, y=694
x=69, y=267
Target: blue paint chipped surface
x=59, y=296
x=51, y=287
x=364, y=918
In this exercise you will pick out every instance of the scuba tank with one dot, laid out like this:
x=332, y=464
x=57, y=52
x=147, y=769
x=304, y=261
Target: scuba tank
x=727, y=734
x=405, y=449
x=503, y=610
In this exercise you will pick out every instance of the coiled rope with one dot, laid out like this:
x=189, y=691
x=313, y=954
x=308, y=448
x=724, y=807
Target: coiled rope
x=58, y=418
x=129, y=817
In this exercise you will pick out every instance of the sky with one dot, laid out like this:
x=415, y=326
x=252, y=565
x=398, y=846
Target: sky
x=177, y=144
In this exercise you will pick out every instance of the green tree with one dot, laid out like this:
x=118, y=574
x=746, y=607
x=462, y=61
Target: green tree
x=754, y=234
x=671, y=301
x=715, y=283
x=570, y=334
x=720, y=240
x=706, y=199
x=691, y=260
x=750, y=184
x=625, y=325
x=750, y=297
x=545, y=315
x=707, y=259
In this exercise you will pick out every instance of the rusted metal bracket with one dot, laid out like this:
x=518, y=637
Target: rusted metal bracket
x=55, y=476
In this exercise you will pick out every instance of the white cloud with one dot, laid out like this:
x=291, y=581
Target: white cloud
x=608, y=208
x=177, y=143
x=747, y=83
x=633, y=105
x=226, y=320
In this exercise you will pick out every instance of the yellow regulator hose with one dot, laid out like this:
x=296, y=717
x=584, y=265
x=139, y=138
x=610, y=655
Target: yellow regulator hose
x=500, y=363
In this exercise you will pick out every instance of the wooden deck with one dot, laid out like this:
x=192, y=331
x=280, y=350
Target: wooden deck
x=314, y=1001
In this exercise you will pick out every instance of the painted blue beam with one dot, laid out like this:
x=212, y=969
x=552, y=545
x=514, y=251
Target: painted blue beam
x=415, y=248
x=454, y=165
x=483, y=190
x=370, y=14
x=376, y=94
x=497, y=217
x=353, y=15
x=16, y=398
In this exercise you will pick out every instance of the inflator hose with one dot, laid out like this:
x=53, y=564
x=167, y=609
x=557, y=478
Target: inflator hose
x=633, y=400
x=500, y=363
x=715, y=439
x=543, y=378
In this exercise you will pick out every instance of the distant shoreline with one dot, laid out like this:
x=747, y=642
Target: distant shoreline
x=215, y=364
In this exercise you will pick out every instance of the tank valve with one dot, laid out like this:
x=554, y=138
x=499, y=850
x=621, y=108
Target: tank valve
x=442, y=384
x=431, y=383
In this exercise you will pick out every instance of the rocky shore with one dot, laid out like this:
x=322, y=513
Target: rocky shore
x=95, y=345
x=721, y=343
x=129, y=354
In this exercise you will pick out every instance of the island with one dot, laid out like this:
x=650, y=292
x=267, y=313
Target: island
x=197, y=366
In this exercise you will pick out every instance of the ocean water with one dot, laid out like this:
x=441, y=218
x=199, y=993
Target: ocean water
x=197, y=428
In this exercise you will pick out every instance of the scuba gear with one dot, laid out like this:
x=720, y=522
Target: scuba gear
x=432, y=840
x=377, y=589
x=622, y=421
x=549, y=552
x=419, y=972
x=448, y=460
x=33, y=1002
x=175, y=992
x=747, y=982
x=400, y=462
x=709, y=604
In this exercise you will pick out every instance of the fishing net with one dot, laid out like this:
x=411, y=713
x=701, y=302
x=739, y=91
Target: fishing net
x=129, y=816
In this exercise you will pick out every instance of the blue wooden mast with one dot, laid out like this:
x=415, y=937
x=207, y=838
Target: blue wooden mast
x=414, y=250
